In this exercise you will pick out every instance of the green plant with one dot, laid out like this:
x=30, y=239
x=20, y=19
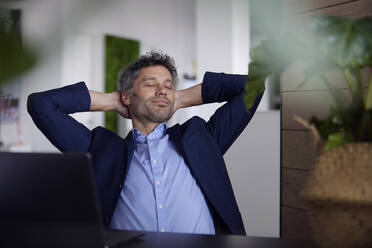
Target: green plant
x=120, y=52
x=334, y=42
x=15, y=58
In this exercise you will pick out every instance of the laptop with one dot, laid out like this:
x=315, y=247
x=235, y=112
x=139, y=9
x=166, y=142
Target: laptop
x=50, y=200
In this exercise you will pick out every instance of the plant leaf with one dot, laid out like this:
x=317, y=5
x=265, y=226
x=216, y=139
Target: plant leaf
x=369, y=95
x=252, y=89
x=259, y=71
x=351, y=82
x=334, y=140
x=325, y=127
x=14, y=57
x=270, y=57
x=345, y=41
x=337, y=94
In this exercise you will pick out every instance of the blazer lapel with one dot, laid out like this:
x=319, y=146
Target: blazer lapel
x=129, y=146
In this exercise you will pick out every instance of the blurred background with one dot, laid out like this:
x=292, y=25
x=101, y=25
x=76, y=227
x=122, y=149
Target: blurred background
x=47, y=44
x=68, y=41
x=77, y=40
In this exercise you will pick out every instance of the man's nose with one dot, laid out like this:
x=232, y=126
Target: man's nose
x=161, y=91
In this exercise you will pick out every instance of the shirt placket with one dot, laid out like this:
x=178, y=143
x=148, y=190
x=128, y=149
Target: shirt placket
x=157, y=169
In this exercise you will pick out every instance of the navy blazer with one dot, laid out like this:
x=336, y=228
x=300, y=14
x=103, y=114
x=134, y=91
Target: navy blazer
x=202, y=144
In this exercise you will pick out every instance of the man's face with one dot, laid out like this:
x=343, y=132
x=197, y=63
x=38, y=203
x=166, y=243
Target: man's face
x=153, y=95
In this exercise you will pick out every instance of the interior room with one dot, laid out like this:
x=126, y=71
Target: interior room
x=69, y=41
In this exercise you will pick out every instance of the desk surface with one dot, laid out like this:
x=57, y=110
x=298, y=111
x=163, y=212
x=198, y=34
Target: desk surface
x=177, y=240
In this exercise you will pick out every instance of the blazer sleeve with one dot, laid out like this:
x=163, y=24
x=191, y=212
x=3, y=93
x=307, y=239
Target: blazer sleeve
x=50, y=112
x=228, y=122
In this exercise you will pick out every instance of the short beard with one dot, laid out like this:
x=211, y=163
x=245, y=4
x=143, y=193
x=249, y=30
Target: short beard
x=153, y=116
x=156, y=118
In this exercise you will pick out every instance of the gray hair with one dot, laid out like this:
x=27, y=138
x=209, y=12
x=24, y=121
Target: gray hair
x=129, y=73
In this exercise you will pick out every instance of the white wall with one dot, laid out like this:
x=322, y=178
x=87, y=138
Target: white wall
x=253, y=163
x=214, y=36
x=70, y=34
x=166, y=25
x=222, y=44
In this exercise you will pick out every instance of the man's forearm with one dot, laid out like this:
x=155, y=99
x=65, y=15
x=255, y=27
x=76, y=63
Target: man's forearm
x=103, y=101
x=189, y=97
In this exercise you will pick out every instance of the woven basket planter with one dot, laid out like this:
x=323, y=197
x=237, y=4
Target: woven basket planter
x=339, y=196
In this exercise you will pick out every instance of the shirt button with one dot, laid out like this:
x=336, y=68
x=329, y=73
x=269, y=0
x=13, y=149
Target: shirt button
x=160, y=205
x=162, y=230
x=150, y=144
x=120, y=186
x=154, y=161
x=157, y=182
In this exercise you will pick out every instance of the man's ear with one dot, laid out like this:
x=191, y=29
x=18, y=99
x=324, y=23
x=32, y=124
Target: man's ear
x=125, y=98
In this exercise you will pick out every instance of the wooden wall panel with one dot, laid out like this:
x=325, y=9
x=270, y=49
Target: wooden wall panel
x=307, y=104
x=305, y=8
x=291, y=7
x=350, y=9
x=294, y=181
x=298, y=150
x=304, y=104
x=292, y=78
x=296, y=22
x=295, y=223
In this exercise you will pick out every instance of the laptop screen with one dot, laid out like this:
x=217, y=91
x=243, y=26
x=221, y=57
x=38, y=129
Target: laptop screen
x=48, y=200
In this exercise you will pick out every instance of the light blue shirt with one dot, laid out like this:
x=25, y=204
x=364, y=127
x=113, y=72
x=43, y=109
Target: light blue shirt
x=159, y=193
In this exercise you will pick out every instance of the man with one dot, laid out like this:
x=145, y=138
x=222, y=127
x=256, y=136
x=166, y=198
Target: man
x=157, y=178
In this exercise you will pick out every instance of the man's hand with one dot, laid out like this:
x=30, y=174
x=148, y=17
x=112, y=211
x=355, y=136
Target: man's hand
x=177, y=101
x=122, y=109
x=108, y=101
x=188, y=97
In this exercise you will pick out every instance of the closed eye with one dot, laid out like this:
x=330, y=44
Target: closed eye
x=149, y=83
x=169, y=85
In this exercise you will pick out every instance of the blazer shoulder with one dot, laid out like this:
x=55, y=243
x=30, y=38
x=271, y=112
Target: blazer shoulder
x=189, y=130
x=194, y=122
x=103, y=137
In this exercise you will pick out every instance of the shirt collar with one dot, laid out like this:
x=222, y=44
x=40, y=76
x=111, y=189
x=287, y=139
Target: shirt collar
x=158, y=133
